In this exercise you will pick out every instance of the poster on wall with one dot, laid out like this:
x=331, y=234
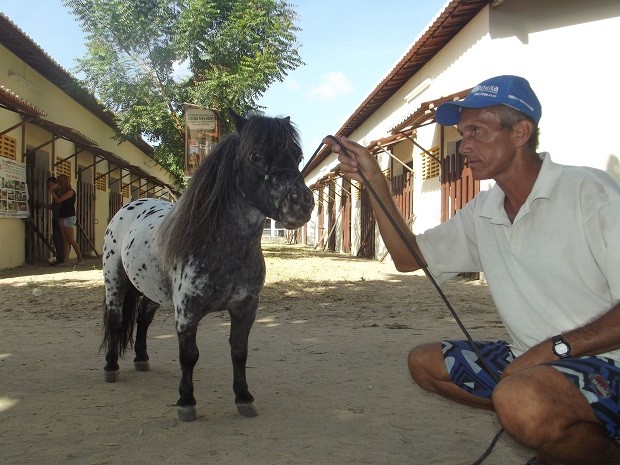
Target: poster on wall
x=202, y=133
x=13, y=191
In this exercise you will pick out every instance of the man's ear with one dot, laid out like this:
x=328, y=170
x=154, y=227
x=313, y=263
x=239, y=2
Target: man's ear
x=522, y=131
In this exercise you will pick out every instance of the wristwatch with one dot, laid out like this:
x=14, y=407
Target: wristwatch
x=561, y=348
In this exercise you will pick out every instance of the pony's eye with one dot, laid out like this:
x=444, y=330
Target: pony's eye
x=256, y=158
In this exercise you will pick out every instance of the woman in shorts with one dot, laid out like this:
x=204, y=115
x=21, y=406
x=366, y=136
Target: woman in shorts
x=67, y=216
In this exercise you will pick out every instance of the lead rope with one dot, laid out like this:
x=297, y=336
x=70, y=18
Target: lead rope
x=428, y=274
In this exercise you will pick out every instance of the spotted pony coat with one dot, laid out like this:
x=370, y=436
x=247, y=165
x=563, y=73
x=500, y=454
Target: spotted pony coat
x=156, y=253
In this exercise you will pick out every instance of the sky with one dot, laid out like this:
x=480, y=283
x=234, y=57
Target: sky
x=348, y=47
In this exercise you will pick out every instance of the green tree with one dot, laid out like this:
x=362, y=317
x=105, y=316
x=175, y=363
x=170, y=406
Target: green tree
x=231, y=51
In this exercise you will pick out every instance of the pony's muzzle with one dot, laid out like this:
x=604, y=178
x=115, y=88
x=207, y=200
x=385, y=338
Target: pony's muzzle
x=297, y=207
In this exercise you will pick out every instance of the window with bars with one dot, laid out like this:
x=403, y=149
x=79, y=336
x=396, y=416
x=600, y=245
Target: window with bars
x=8, y=147
x=430, y=166
x=357, y=188
x=100, y=182
x=64, y=167
x=125, y=191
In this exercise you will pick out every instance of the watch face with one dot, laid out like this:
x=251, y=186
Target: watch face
x=561, y=348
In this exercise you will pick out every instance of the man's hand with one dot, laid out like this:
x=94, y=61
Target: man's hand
x=360, y=159
x=537, y=355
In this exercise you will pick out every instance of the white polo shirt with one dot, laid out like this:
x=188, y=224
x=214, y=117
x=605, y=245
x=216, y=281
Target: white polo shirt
x=556, y=267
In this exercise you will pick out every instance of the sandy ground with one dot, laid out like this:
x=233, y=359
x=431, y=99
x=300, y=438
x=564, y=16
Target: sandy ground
x=326, y=366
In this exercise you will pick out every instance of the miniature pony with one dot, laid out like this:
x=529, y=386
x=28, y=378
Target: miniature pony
x=203, y=254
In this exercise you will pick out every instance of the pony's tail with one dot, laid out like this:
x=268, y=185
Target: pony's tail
x=123, y=338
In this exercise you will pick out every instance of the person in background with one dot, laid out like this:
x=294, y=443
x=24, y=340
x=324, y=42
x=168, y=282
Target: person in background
x=57, y=236
x=67, y=217
x=547, y=237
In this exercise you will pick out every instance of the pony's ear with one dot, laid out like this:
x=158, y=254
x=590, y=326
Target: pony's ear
x=287, y=120
x=238, y=120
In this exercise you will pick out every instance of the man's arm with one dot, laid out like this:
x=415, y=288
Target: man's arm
x=599, y=336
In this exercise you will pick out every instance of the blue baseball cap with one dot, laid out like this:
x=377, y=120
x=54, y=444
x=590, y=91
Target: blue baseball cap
x=513, y=91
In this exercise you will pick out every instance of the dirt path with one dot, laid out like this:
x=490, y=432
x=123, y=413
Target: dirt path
x=326, y=366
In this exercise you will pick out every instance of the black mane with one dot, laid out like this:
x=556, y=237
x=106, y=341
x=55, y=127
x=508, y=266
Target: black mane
x=198, y=214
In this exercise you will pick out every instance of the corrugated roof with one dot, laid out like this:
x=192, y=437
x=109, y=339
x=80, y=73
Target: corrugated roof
x=447, y=24
x=11, y=101
x=426, y=111
x=65, y=132
x=16, y=40
x=13, y=38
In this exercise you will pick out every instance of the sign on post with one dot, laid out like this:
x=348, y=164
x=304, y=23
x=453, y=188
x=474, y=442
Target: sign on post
x=202, y=133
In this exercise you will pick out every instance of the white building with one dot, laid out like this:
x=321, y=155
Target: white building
x=565, y=48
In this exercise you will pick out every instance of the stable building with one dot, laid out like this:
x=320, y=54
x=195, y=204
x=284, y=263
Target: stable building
x=50, y=125
x=564, y=48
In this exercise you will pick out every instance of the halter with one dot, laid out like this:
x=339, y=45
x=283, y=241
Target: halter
x=267, y=178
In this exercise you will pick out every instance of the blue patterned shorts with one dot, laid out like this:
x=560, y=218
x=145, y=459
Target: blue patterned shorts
x=598, y=378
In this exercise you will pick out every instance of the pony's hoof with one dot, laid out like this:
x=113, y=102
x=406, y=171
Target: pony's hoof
x=142, y=366
x=187, y=413
x=247, y=410
x=110, y=376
